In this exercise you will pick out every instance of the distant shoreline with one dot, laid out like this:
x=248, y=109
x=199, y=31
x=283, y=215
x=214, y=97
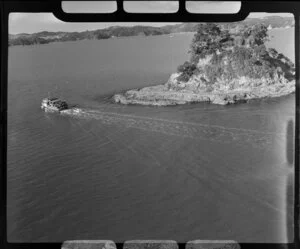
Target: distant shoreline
x=125, y=37
x=113, y=32
x=112, y=38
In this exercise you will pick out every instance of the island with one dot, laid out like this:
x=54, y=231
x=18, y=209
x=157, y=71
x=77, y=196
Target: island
x=228, y=64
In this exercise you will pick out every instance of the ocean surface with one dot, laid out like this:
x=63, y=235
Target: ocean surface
x=118, y=172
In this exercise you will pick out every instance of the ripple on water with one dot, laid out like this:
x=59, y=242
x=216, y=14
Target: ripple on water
x=217, y=133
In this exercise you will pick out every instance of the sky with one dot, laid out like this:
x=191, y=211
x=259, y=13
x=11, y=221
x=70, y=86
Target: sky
x=36, y=22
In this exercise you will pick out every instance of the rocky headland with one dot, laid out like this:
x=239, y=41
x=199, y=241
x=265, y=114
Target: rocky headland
x=226, y=66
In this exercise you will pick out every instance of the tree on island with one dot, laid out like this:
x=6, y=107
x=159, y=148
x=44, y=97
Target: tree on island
x=209, y=39
x=233, y=55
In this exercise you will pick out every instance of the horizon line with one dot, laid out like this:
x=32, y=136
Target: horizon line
x=167, y=24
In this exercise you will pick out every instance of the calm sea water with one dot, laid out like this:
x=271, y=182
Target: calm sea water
x=119, y=172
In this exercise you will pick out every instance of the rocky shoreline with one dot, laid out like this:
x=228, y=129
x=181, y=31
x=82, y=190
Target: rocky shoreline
x=161, y=95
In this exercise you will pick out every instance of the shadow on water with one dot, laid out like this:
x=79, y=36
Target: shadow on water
x=290, y=179
x=290, y=143
x=289, y=207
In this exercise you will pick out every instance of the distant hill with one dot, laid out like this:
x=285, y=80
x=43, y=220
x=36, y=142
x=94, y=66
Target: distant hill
x=45, y=37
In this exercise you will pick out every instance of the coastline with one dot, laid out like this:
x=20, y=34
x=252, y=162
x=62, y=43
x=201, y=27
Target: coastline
x=161, y=95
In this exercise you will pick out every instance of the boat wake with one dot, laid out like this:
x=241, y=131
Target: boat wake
x=179, y=128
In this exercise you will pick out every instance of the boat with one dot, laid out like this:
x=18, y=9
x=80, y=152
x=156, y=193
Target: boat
x=54, y=104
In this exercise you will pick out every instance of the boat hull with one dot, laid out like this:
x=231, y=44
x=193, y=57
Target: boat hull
x=53, y=105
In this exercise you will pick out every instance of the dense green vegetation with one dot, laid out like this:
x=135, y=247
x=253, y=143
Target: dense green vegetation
x=186, y=70
x=209, y=39
x=234, y=54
